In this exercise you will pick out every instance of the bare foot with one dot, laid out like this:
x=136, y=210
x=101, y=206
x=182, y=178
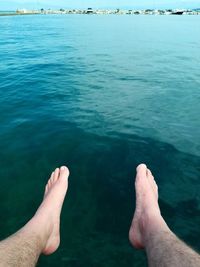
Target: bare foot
x=48, y=214
x=147, y=215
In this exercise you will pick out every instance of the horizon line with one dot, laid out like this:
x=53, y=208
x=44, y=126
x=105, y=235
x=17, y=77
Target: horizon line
x=102, y=8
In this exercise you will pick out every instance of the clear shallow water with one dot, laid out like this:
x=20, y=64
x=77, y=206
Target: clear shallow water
x=100, y=94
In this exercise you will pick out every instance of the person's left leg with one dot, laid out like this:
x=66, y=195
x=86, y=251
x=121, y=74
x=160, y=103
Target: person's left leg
x=41, y=234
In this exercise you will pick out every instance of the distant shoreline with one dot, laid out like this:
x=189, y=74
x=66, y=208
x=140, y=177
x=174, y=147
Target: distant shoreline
x=90, y=11
x=15, y=14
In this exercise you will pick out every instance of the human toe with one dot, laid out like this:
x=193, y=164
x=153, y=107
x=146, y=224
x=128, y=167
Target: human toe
x=64, y=173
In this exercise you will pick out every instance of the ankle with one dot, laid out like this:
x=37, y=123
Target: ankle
x=154, y=225
x=41, y=228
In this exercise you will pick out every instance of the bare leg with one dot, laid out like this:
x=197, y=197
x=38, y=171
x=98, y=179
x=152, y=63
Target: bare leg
x=41, y=234
x=149, y=230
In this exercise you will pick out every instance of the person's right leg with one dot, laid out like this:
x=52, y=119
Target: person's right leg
x=149, y=230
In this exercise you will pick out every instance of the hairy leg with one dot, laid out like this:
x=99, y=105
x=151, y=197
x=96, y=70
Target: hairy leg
x=149, y=230
x=41, y=234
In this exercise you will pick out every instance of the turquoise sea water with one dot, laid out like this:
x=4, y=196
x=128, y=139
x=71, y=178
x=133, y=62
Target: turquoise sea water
x=100, y=94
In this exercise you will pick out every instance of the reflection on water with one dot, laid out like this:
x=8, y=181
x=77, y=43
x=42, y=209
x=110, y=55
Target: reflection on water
x=100, y=106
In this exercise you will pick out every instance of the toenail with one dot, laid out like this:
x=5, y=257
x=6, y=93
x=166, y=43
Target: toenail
x=63, y=168
x=141, y=166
